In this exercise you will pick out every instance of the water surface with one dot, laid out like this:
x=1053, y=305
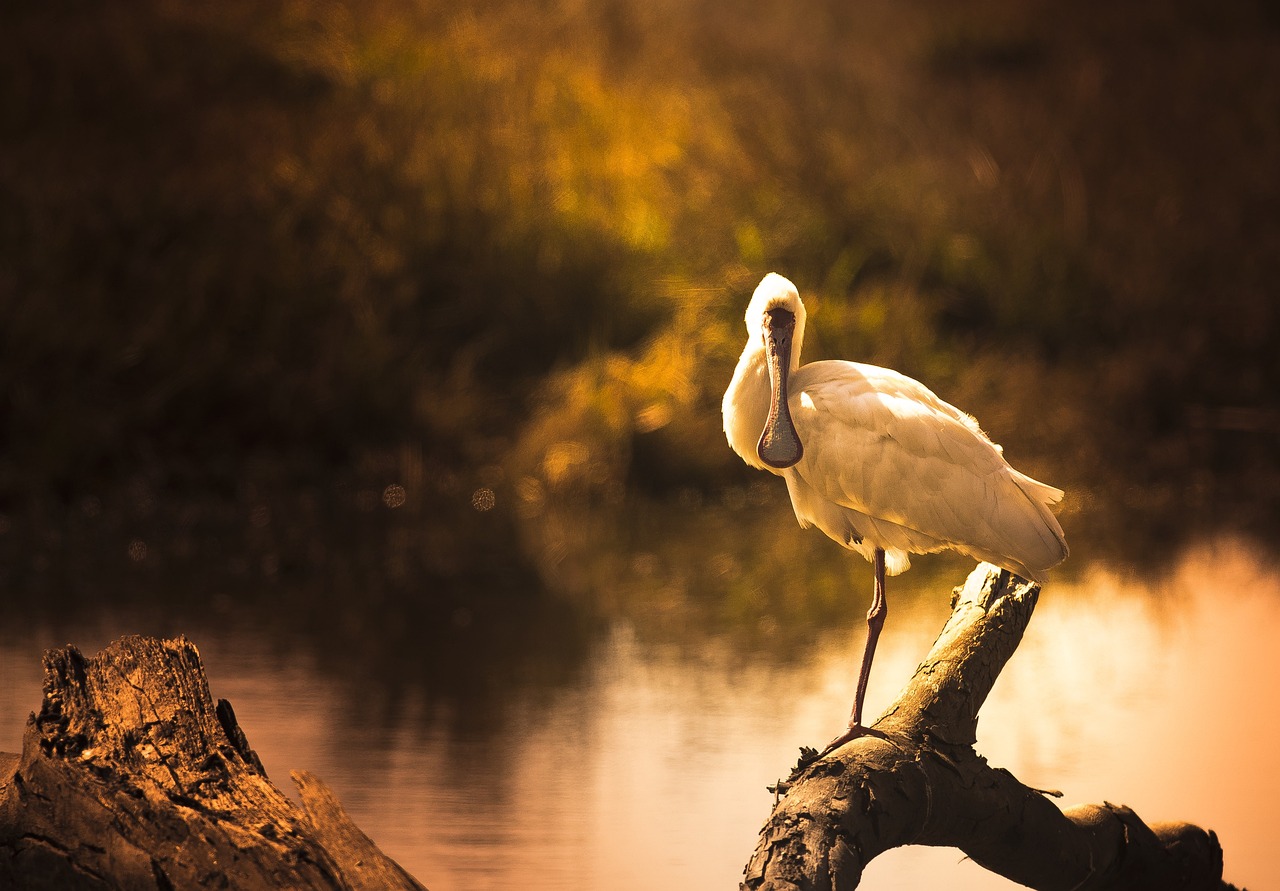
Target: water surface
x=497, y=744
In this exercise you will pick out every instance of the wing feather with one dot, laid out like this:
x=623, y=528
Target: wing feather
x=920, y=473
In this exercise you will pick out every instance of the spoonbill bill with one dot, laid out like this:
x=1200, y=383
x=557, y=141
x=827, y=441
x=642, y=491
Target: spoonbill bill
x=879, y=463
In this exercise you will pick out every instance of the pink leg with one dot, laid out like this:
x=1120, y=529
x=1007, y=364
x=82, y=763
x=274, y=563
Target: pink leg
x=875, y=622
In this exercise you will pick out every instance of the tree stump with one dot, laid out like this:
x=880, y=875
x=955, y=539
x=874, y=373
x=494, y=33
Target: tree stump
x=916, y=779
x=131, y=777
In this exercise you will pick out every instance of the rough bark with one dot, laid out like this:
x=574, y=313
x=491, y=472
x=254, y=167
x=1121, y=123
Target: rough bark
x=131, y=777
x=916, y=779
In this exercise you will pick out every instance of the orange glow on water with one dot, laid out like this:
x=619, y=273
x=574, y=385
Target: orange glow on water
x=650, y=770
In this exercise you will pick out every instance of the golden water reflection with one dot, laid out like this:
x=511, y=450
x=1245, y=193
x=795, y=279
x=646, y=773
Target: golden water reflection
x=649, y=770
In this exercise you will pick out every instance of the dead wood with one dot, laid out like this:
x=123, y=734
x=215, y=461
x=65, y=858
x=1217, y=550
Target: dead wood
x=917, y=780
x=131, y=777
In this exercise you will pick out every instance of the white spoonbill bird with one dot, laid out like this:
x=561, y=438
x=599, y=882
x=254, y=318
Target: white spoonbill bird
x=878, y=462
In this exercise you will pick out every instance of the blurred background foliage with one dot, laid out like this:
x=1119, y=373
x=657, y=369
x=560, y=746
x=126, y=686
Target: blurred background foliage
x=505, y=247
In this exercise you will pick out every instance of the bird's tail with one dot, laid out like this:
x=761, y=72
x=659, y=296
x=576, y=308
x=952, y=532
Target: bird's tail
x=1052, y=548
x=1041, y=493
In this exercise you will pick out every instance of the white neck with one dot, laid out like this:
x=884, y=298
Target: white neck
x=746, y=403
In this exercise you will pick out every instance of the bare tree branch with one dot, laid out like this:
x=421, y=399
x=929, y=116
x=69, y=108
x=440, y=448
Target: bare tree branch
x=130, y=777
x=916, y=779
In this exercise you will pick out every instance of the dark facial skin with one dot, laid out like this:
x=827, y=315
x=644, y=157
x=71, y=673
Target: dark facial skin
x=779, y=444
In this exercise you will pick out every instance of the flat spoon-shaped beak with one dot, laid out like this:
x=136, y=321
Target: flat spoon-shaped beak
x=779, y=444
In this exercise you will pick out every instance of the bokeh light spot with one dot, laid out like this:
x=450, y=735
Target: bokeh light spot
x=393, y=496
x=483, y=499
x=137, y=550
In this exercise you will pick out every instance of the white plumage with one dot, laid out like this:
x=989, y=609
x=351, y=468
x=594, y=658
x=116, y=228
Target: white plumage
x=877, y=461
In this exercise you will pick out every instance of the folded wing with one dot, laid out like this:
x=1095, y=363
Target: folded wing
x=914, y=473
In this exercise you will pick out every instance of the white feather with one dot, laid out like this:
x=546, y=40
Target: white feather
x=887, y=463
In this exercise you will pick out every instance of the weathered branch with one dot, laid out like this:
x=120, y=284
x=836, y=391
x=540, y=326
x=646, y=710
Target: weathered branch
x=917, y=780
x=131, y=777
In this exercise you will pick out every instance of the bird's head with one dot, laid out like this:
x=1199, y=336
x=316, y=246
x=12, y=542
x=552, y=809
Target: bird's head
x=776, y=316
x=775, y=306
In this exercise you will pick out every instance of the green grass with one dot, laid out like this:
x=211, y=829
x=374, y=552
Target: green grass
x=320, y=231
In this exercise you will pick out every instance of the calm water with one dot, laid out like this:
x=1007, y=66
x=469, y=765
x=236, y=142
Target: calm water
x=498, y=742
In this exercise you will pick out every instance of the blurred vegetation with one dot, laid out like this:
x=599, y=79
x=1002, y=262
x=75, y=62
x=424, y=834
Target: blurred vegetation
x=506, y=246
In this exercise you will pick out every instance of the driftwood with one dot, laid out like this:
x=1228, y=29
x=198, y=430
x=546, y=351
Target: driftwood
x=916, y=779
x=131, y=777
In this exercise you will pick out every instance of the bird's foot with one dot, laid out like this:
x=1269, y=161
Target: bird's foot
x=854, y=731
x=809, y=755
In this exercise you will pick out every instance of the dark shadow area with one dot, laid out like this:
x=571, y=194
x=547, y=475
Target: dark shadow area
x=420, y=603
